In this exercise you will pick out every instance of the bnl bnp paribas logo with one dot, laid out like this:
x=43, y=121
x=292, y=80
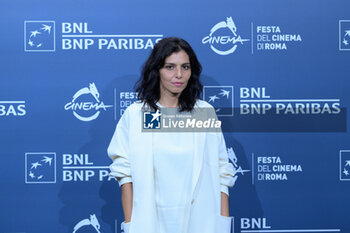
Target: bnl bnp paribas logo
x=152, y=120
x=344, y=35
x=40, y=167
x=39, y=36
x=221, y=97
x=43, y=167
x=86, y=104
x=224, y=38
x=12, y=108
x=344, y=165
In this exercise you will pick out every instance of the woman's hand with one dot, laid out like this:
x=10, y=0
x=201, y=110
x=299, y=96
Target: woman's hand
x=224, y=205
x=127, y=192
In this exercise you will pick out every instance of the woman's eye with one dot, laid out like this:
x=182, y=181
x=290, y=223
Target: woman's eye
x=186, y=67
x=169, y=67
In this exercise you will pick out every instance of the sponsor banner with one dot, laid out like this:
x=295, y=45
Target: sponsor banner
x=273, y=168
x=41, y=36
x=258, y=111
x=86, y=104
x=80, y=168
x=262, y=224
x=344, y=35
x=344, y=165
x=92, y=224
x=238, y=170
x=225, y=37
x=12, y=108
x=46, y=167
x=40, y=167
x=256, y=100
x=221, y=97
x=126, y=98
x=274, y=38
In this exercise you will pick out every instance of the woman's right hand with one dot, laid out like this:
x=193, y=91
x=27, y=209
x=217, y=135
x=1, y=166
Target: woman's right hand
x=125, y=226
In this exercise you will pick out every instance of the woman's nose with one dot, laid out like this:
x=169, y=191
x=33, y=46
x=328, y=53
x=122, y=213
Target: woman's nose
x=178, y=72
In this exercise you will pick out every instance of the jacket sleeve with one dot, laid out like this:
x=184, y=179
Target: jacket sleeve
x=118, y=151
x=226, y=168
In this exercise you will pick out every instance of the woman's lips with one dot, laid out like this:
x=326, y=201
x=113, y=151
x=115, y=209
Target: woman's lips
x=177, y=84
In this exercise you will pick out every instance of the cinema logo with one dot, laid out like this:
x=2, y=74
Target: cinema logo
x=12, y=108
x=237, y=168
x=255, y=100
x=91, y=223
x=86, y=104
x=272, y=168
x=40, y=36
x=224, y=38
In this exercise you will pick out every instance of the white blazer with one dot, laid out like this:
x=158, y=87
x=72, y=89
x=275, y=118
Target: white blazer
x=131, y=153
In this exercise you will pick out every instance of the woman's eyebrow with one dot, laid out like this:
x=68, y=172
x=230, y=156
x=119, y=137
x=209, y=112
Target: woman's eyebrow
x=170, y=63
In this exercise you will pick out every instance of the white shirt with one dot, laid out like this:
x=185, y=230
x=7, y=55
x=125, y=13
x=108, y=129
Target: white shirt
x=173, y=163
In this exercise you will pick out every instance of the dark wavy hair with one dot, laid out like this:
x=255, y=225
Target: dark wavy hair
x=148, y=88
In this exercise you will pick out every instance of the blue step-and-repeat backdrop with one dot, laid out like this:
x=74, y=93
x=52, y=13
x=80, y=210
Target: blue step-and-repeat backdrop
x=277, y=72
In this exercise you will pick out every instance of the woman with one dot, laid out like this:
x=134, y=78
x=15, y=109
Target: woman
x=171, y=182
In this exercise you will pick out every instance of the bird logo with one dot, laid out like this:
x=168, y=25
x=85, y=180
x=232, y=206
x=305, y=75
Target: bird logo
x=344, y=165
x=344, y=34
x=40, y=167
x=39, y=36
x=213, y=98
x=346, y=168
x=346, y=37
x=221, y=98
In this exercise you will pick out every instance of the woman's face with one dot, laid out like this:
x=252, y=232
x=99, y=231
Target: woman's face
x=175, y=73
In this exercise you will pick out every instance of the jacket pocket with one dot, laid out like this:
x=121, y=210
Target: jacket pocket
x=223, y=224
x=125, y=226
